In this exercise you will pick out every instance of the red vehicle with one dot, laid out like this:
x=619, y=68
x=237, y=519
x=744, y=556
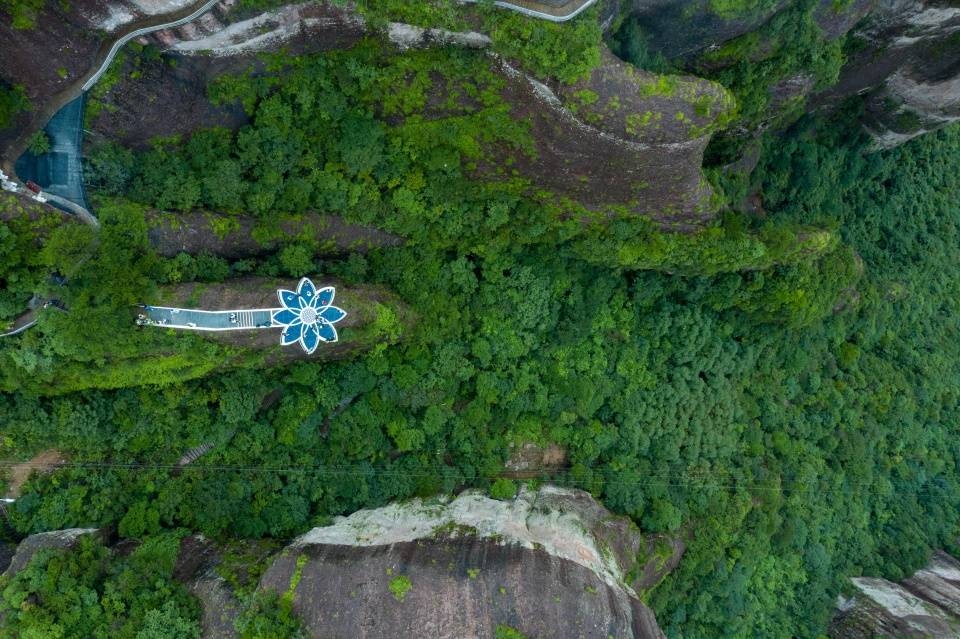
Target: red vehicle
x=33, y=186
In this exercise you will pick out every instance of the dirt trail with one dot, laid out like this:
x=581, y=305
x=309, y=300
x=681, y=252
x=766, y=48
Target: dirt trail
x=42, y=462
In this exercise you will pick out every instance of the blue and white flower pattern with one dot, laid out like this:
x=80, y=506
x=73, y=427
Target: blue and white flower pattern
x=308, y=315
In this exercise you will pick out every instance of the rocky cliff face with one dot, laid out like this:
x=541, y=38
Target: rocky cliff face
x=33, y=544
x=622, y=139
x=907, y=69
x=549, y=563
x=903, y=57
x=926, y=604
x=681, y=29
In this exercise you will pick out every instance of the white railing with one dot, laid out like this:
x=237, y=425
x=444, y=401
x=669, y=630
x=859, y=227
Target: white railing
x=540, y=14
x=139, y=32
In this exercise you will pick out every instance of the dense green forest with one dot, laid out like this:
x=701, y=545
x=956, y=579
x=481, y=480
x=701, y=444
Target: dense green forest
x=780, y=389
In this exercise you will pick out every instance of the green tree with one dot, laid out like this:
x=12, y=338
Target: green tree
x=39, y=143
x=296, y=259
x=13, y=101
x=268, y=616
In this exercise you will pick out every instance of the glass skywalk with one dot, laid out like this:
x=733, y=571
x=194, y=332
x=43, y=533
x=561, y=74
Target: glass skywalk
x=307, y=317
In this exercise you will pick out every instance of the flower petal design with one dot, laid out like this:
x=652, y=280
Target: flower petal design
x=289, y=299
x=291, y=334
x=333, y=314
x=286, y=317
x=310, y=338
x=327, y=332
x=307, y=291
x=324, y=297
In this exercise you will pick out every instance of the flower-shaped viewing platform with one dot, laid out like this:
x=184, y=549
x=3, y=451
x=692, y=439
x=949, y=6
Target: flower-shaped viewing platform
x=307, y=317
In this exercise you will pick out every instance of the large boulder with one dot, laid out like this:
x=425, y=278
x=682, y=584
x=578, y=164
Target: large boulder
x=548, y=563
x=551, y=562
x=903, y=57
x=622, y=137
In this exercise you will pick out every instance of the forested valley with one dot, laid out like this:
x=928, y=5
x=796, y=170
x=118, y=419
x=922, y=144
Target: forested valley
x=780, y=389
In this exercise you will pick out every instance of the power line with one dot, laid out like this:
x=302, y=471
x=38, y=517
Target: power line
x=665, y=479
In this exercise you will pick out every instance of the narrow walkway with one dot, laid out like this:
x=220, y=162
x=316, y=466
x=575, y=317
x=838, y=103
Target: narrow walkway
x=21, y=323
x=198, y=320
x=60, y=172
x=210, y=4
x=103, y=57
x=72, y=208
x=552, y=10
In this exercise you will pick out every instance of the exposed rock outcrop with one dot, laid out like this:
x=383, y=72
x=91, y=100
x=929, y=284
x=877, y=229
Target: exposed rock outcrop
x=550, y=563
x=196, y=232
x=199, y=567
x=622, y=137
x=682, y=29
x=926, y=604
x=112, y=14
x=905, y=61
x=907, y=70
x=640, y=146
x=60, y=50
x=43, y=541
x=314, y=25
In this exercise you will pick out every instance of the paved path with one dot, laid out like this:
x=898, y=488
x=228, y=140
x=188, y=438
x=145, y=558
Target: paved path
x=29, y=317
x=66, y=161
x=552, y=10
x=21, y=323
x=61, y=170
x=73, y=208
x=210, y=4
x=42, y=115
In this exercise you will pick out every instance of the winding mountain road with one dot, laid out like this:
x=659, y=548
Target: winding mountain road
x=101, y=61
